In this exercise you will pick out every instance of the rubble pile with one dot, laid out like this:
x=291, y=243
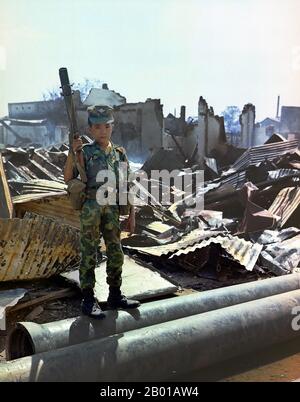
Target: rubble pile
x=250, y=221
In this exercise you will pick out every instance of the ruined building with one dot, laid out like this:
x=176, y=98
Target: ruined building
x=138, y=126
x=197, y=138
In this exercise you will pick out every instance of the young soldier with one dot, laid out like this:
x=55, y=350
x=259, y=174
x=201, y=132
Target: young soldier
x=95, y=219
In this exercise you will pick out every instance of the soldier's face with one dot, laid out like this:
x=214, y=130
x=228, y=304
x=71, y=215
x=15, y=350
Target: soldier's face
x=101, y=132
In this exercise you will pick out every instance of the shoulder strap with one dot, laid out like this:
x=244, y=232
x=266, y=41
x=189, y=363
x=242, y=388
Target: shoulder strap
x=79, y=168
x=120, y=149
x=122, y=153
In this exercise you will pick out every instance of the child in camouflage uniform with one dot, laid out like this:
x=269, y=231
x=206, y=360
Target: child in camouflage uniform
x=97, y=219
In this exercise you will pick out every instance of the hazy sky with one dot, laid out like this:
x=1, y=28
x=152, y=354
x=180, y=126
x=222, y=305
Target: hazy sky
x=230, y=51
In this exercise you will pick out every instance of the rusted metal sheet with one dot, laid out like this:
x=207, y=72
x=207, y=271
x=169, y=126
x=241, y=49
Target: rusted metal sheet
x=245, y=252
x=255, y=217
x=286, y=202
x=55, y=206
x=265, y=152
x=6, y=205
x=36, y=247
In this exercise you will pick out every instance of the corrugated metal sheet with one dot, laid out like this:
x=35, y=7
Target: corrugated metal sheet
x=265, y=152
x=245, y=252
x=278, y=174
x=34, y=189
x=36, y=247
x=53, y=206
x=33, y=164
x=24, y=198
x=286, y=203
x=45, y=162
x=235, y=180
x=212, y=164
x=41, y=185
x=191, y=238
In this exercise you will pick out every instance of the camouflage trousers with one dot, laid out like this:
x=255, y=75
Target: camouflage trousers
x=94, y=221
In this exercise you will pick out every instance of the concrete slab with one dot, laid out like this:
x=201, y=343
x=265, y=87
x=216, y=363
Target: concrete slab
x=139, y=281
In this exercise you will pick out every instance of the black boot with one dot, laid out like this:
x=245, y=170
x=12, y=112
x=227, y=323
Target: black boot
x=90, y=306
x=117, y=300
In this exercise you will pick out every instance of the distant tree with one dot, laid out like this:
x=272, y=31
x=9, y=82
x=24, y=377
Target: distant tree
x=231, y=119
x=55, y=111
x=83, y=87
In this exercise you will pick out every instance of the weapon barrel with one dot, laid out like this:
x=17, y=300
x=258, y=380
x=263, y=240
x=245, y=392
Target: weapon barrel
x=68, y=97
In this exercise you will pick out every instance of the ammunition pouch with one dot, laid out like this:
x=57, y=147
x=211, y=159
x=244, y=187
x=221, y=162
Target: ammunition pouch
x=76, y=191
x=76, y=187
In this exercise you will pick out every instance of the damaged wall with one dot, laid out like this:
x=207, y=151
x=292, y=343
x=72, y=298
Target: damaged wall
x=30, y=110
x=257, y=134
x=247, y=122
x=40, y=123
x=104, y=96
x=264, y=130
x=187, y=143
x=210, y=130
x=40, y=133
x=180, y=134
x=176, y=125
x=38, y=110
x=290, y=120
x=26, y=134
x=261, y=135
x=138, y=127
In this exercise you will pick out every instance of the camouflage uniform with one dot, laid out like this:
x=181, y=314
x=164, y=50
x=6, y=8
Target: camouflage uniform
x=98, y=219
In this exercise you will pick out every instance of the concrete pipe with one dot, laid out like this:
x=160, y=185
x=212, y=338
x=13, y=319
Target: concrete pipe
x=157, y=352
x=28, y=338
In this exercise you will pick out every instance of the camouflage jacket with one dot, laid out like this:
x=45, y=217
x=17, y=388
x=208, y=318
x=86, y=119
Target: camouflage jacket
x=96, y=159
